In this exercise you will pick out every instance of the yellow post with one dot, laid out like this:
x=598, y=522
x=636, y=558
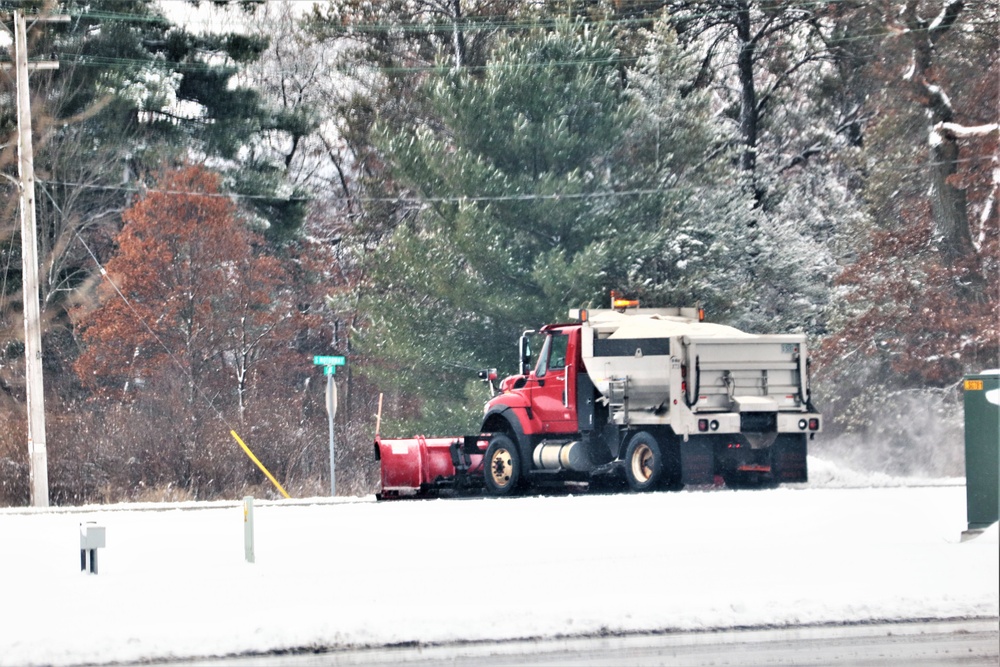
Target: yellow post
x=259, y=464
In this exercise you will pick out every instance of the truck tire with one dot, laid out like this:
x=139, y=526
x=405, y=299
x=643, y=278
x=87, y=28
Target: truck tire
x=643, y=462
x=502, y=470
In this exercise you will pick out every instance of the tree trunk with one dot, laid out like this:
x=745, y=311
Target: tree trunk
x=458, y=37
x=948, y=203
x=748, y=92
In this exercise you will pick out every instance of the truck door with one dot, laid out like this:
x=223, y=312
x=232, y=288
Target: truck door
x=554, y=397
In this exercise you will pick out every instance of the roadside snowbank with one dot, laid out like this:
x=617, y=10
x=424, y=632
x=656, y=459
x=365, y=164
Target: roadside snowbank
x=174, y=583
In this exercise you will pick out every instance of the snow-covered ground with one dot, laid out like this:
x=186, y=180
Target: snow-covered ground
x=174, y=583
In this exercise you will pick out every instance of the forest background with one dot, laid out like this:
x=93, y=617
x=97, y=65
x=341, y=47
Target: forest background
x=412, y=183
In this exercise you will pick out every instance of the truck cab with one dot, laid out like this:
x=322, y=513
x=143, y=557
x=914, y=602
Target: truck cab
x=546, y=418
x=543, y=397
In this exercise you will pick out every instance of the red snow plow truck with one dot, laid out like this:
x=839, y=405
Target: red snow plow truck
x=654, y=395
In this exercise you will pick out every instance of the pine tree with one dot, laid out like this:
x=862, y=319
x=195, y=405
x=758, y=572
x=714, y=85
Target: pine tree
x=539, y=185
x=132, y=92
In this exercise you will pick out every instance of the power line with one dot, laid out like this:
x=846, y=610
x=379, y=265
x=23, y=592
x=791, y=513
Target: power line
x=486, y=22
x=468, y=24
x=106, y=62
x=481, y=198
x=144, y=190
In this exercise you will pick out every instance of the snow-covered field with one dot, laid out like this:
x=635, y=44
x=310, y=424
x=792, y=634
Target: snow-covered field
x=174, y=583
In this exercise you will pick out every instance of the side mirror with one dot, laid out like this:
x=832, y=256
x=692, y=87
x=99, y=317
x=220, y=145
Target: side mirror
x=489, y=376
x=524, y=348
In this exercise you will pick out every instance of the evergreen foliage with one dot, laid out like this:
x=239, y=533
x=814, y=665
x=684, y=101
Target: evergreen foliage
x=538, y=183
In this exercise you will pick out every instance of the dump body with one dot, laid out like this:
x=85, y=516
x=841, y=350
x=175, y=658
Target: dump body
x=657, y=367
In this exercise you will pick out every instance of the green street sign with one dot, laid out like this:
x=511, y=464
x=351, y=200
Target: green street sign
x=329, y=370
x=329, y=361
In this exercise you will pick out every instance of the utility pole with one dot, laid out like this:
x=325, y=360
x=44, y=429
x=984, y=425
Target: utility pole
x=38, y=458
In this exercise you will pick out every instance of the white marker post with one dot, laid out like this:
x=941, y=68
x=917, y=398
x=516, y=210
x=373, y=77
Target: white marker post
x=329, y=369
x=248, y=552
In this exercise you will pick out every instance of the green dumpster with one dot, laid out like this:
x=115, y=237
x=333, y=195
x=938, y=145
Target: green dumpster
x=982, y=448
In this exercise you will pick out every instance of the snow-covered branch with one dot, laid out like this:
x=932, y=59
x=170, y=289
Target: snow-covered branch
x=963, y=131
x=924, y=48
x=945, y=19
x=941, y=131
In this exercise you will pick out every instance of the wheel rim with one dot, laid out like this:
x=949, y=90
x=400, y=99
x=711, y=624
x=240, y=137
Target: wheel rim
x=501, y=467
x=642, y=463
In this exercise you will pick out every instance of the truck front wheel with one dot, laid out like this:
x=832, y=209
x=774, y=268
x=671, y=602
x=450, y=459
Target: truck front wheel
x=643, y=462
x=503, y=466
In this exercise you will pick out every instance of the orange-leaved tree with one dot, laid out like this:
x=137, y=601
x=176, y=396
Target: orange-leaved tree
x=191, y=298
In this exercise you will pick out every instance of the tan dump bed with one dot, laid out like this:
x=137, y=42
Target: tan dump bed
x=634, y=353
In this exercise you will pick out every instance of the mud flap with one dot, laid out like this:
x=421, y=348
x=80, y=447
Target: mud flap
x=788, y=458
x=697, y=462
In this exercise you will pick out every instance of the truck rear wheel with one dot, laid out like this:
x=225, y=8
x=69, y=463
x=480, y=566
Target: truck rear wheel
x=643, y=462
x=503, y=466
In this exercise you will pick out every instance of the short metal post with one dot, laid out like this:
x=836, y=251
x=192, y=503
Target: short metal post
x=248, y=528
x=91, y=539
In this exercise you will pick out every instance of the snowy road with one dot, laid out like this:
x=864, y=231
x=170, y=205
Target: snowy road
x=358, y=574
x=935, y=644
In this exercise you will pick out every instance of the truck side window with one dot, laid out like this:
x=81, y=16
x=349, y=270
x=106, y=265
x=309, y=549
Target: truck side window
x=557, y=357
x=553, y=355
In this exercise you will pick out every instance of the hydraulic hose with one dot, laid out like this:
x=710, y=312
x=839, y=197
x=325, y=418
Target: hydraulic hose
x=697, y=384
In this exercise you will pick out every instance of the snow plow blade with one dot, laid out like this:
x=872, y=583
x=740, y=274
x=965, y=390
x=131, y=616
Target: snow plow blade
x=425, y=467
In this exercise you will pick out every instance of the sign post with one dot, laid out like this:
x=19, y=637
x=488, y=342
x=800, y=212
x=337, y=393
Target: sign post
x=329, y=365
